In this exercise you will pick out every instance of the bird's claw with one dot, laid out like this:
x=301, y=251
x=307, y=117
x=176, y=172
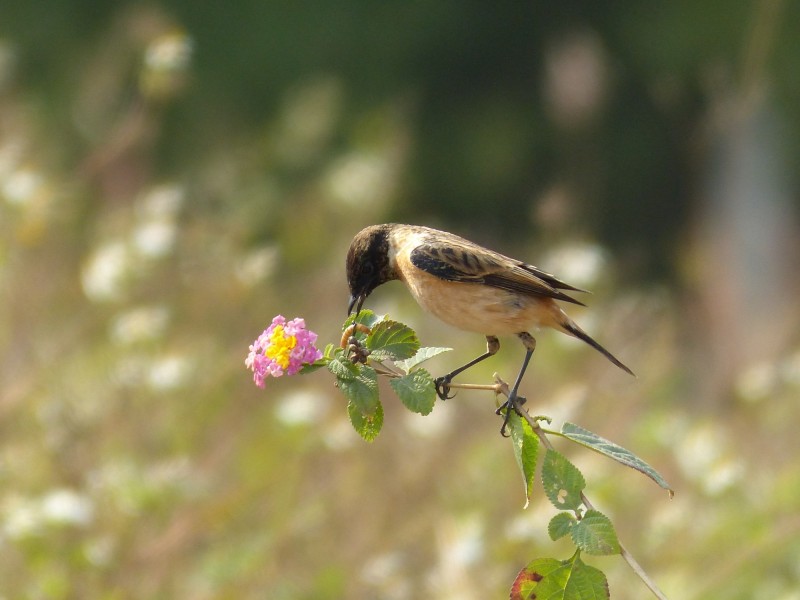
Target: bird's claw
x=442, y=385
x=512, y=404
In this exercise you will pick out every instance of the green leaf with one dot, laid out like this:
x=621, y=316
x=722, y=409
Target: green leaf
x=565, y=580
x=562, y=481
x=362, y=390
x=593, y=441
x=594, y=534
x=392, y=340
x=311, y=367
x=526, y=445
x=529, y=577
x=342, y=367
x=367, y=426
x=561, y=525
x=421, y=356
x=365, y=317
x=416, y=390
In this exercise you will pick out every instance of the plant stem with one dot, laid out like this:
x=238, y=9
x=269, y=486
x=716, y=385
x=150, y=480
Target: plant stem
x=502, y=388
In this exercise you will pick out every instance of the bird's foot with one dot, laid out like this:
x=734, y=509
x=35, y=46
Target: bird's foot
x=443, y=386
x=512, y=404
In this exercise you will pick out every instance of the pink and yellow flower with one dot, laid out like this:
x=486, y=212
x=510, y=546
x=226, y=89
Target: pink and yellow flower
x=283, y=347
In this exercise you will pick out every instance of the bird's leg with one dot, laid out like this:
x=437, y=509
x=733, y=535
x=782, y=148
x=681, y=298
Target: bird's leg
x=514, y=402
x=443, y=383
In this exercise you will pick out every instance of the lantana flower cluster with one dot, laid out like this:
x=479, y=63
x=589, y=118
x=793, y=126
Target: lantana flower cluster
x=283, y=348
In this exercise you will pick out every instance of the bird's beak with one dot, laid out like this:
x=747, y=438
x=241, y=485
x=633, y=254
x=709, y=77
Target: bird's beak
x=356, y=302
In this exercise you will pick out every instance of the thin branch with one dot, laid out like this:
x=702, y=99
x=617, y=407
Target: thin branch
x=477, y=386
x=382, y=368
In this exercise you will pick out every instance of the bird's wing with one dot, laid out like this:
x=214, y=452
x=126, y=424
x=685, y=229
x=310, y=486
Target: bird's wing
x=457, y=259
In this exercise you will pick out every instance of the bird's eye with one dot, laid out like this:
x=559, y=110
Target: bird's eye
x=367, y=269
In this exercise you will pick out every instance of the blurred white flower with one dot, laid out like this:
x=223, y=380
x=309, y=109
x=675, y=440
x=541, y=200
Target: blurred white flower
x=523, y=528
x=67, y=507
x=385, y=572
x=130, y=488
x=704, y=457
x=162, y=202
x=23, y=517
x=257, y=265
x=156, y=230
x=154, y=239
x=757, y=382
x=359, y=180
x=21, y=186
x=580, y=264
x=300, y=407
x=169, y=52
x=723, y=475
x=169, y=372
x=105, y=273
x=460, y=545
x=139, y=324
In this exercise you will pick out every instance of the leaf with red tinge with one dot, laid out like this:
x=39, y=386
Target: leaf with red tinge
x=551, y=579
x=532, y=574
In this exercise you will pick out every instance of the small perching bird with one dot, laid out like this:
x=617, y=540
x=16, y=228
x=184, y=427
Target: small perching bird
x=465, y=285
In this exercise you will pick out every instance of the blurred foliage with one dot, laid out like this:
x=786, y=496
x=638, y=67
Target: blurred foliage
x=174, y=174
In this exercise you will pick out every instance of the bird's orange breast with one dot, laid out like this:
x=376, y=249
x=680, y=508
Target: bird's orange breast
x=475, y=306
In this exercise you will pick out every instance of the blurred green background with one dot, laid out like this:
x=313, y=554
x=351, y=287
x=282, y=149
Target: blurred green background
x=174, y=174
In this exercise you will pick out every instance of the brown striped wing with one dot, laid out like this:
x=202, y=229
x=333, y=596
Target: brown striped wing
x=456, y=259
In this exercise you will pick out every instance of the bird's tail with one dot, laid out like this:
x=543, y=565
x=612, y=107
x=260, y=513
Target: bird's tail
x=572, y=328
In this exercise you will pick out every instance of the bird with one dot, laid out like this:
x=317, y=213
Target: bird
x=467, y=286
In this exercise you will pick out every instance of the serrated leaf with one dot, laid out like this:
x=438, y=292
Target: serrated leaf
x=392, y=340
x=526, y=446
x=362, y=390
x=529, y=577
x=561, y=525
x=594, y=534
x=416, y=390
x=367, y=426
x=421, y=356
x=562, y=481
x=365, y=317
x=574, y=580
x=605, y=447
x=341, y=366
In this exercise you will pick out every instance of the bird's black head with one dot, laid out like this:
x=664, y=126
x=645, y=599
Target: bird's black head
x=368, y=264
